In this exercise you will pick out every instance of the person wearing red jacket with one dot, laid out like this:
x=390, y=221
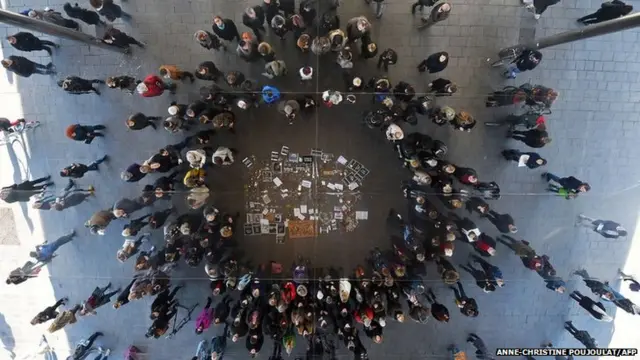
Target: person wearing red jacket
x=153, y=85
x=364, y=315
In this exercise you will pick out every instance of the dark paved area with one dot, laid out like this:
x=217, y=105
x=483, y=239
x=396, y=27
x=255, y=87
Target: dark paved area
x=594, y=126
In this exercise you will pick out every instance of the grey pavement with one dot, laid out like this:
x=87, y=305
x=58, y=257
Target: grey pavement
x=594, y=125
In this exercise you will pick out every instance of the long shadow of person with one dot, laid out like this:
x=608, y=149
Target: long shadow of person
x=18, y=166
x=6, y=335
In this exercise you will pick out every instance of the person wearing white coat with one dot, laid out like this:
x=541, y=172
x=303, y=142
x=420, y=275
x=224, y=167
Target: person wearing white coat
x=197, y=158
x=223, y=156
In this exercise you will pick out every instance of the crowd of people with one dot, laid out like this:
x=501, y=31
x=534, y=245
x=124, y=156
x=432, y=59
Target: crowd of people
x=271, y=301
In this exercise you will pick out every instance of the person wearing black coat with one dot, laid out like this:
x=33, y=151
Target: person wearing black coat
x=24, y=67
x=25, y=41
x=307, y=12
x=84, y=133
x=609, y=10
x=207, y=70
x=77, y=170
x=532, y=161
x=24, y=191
x=534, y=138
x=77, y=85
x=442, y=87
x=270, y=9
x=225, y=29
x=253, y=18
x=88, y=16
x=288, y=7
x=388, y=57
x=123, y=82
x=434, y=63
x=139, y=121
x=422, y=4
x=119, y=39
x=109, y=10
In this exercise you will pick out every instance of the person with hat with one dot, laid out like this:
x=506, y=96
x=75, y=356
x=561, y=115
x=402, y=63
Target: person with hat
x=209, y=41
x=434, y=63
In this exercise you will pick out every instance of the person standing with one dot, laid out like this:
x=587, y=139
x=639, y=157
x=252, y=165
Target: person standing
x=77, y=85
x=25, y=41
x=225, y=29
x=124, y=82
x=84, y=133
x=438, y=311
x=379, y=7
x=595, y=309
x=55, y=18
x=98, y=298
x=174, y=73
x=535, y=138
x=581, y=335
x=209, y=41
x=440, y=12
x=87, y=16
x=99, y=221
x=153, y=85
x=434, y=63
x=24, y=67
x=482, y=353
x=109, y=10
x=442, y=87
x=63, y=319
x=47, y=251
x=139, y=121
x=357, y=28
x=609, y=10
x=529, y=159
x=207, y=70
x=49, y=313
x=527, y=60
x=119, y=39
x=387, y=57
x=468, y=306
x=223, y=156
x=538, y=6
x=253, y=18
x=422, y=4
x=25, y=272
x=204, y=319
x=521, y=248
x=569, y=187
x=24, y=191
x=123, y=297
x=634, y=286
x=493, y=273
x=77, y=170
x=607, y=228
x=133, y=173
x=503, y=222
x=84, y=347
x=481, y=278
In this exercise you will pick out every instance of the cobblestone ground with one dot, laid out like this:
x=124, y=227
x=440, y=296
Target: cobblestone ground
x=594, y=126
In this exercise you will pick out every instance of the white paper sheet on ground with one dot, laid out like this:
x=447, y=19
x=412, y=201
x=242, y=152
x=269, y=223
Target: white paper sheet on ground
x=523, y=160
x=296, y=212
x=312, y=211
x=362, y=215
x=303, y=209
x=342, y=160
x=339, y=187
x=277, y=181
x=312, y=217
x=331, y=186
x=337, y=215
x=353, y=186
x=301, y=217
x=306, y=183
x=323, y=183
x=265, y=211
x=264, y=221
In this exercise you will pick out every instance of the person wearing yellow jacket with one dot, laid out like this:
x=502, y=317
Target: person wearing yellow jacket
x=194, y=178
x=174, y=73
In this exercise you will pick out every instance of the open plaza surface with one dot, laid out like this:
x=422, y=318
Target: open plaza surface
x=594, y=125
